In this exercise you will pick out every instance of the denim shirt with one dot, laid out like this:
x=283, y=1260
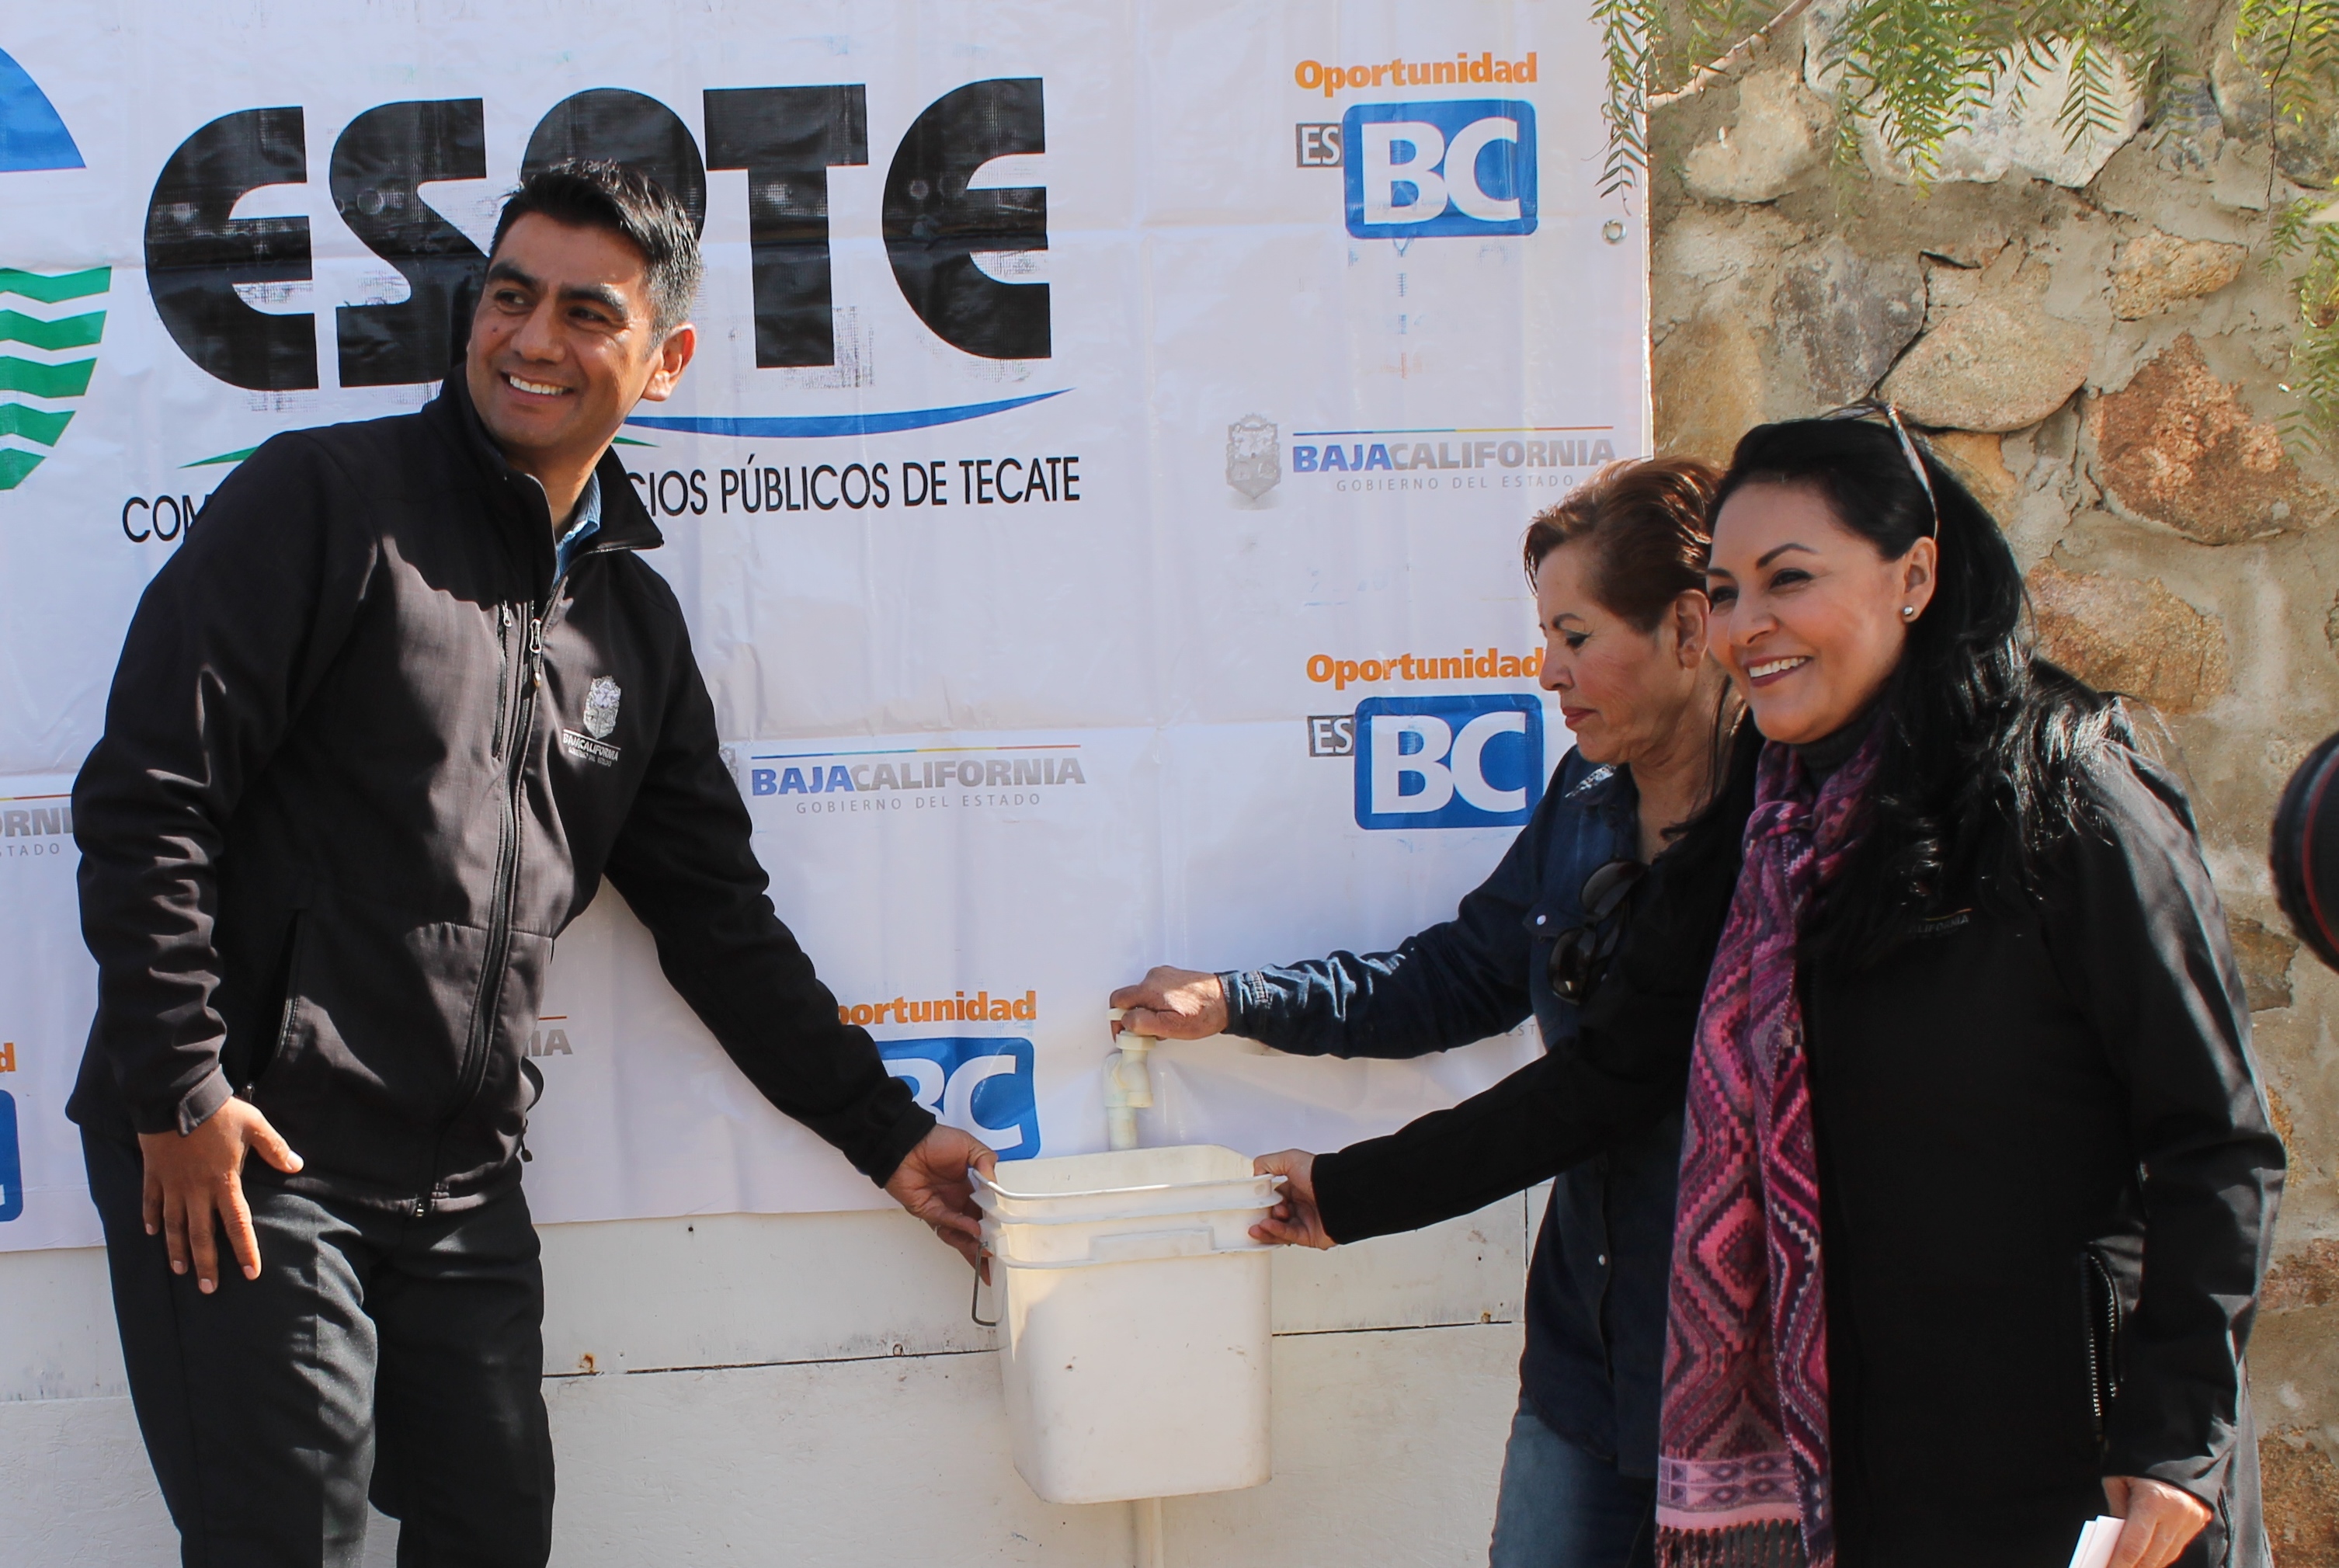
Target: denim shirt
x=583, y=524
x=1597, y=1289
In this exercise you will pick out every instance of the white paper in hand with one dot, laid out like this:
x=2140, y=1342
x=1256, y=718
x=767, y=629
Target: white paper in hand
x=2097, y=1539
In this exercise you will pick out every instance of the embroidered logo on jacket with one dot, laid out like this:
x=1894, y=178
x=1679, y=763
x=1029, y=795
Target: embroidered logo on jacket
x=601, y=699
x=601, y=708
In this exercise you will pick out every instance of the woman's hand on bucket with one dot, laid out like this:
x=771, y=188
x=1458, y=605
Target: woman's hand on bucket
x=1173, y=1004
x=1294, y=1221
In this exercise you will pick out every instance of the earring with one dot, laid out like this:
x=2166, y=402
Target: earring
x=1908, y=612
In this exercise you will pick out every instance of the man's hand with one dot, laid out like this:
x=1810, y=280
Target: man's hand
x=1173, y=1004
x=931, y=1183
x=1294, y=1221
x=194, y=1184
x=2159, y=1521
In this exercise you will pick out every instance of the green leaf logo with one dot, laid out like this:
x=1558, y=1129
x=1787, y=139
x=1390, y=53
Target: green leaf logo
x=47, y=345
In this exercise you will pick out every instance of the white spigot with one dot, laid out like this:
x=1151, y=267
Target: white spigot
x=1128, y=1087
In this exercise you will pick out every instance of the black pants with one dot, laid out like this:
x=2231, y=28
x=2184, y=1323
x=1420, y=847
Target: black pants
x=376, y=1356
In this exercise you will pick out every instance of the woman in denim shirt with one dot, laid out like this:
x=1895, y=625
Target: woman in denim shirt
x=1618, y=570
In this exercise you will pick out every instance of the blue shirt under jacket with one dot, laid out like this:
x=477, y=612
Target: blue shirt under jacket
x=1596, y=1329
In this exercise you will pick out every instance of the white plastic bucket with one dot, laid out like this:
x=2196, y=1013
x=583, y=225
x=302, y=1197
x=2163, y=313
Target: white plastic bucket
x=1136, y=1308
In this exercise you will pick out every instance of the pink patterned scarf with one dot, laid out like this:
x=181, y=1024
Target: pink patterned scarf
x=1743, y=1476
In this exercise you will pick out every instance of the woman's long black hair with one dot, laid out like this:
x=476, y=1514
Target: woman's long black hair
x=1985, y=742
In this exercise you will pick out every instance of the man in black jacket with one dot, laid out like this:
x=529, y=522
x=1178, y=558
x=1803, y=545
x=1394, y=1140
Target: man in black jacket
x=380, y=729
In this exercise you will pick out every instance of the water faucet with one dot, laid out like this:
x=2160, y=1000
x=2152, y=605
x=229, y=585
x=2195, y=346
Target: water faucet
x=1128, y=1087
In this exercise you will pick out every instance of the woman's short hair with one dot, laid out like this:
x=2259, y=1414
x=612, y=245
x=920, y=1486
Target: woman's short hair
x=1649, y=522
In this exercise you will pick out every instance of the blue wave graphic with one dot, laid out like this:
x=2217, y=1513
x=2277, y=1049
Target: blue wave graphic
x=775, y=430
x=31, y=135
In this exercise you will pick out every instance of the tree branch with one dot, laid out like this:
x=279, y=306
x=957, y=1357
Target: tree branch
x=1716, y=70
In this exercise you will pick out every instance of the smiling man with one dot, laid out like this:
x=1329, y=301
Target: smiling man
x=380, y=729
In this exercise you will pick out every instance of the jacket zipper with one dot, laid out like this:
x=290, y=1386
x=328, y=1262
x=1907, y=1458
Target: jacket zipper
x=2103, y=1353
x=505, y=743
x=506, y=893
x=503, y=678
x=288, y=1010
x=2094, y=1367
x=489, y=1000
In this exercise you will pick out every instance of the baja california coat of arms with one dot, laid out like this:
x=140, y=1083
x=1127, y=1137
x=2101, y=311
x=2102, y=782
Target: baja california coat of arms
x=601, y=708
x=1254, y=456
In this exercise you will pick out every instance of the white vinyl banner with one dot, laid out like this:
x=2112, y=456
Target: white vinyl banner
x=1096, y=499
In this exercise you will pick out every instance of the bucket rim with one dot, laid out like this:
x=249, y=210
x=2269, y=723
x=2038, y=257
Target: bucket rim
x=982, y=1180
x=1117, y=1216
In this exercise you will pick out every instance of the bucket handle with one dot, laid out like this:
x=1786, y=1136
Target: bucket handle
x=974, y=1298
x=982, y=1183
x=993, y=1215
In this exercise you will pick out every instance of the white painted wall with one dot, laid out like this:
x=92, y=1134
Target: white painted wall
x=808, y=1390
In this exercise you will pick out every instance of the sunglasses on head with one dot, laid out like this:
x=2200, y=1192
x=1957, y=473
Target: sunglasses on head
x=1582, y=952
x=1873, y=409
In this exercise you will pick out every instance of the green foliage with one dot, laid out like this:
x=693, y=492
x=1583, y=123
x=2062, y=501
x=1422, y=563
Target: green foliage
x=1623, y=40
x=1700, y=30
x=2132, y=31
x=1918, y=69
x=2314, y=356
x=2296, y=44
x=1914, y=70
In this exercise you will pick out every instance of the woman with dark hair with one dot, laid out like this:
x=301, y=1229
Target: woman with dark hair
x=1977, y=1180
x=1975, y=1054
x=1618, y=570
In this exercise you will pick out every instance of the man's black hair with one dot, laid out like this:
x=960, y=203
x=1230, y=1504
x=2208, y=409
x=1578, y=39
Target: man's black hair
x=597, y=193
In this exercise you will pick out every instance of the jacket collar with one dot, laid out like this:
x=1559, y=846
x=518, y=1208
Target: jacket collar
x=625, y=522
x=1605, y=791
x=1595, y=783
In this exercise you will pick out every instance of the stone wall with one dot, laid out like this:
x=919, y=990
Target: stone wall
x=2090, y=337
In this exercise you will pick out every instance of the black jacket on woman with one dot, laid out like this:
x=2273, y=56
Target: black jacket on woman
x=2048, y=1174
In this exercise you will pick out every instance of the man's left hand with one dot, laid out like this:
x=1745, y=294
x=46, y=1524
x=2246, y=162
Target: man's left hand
x=932, y=1182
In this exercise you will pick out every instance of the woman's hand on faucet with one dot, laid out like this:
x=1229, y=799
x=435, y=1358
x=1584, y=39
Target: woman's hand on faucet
x=1294, y=1221
x=1173, y=1004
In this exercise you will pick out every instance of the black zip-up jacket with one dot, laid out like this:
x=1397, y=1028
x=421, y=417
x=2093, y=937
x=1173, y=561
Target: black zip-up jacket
x=364, y=759
x=2047, y=1176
